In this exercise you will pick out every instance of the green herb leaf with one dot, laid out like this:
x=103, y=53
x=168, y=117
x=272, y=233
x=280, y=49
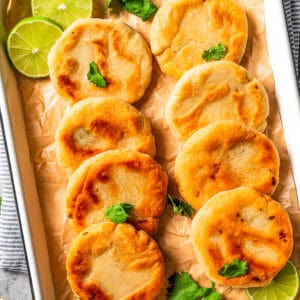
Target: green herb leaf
x=0, y=201
x=144, y=9
x=183, y=287
x=215, y=52
x=95, y=77
x=213, y=296
x=181, y=207
x=108, y=3
x=118, y=213
x=235, y=269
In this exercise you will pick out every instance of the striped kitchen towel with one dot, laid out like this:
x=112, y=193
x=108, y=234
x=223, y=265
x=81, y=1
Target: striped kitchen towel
x=11, y=247
x=292, y=13
x=12, y=256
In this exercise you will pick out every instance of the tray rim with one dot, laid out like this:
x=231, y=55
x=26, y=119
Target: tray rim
x=37, y=268
x=276, y=34
x=286, y=87
x=23, y=180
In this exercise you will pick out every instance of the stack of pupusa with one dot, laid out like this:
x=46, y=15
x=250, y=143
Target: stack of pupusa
x=111, y=145
x=218, y=110
x=83, y=268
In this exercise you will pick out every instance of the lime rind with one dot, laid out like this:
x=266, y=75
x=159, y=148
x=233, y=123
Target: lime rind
x=63, y=12
x=285, y=286
x=29, y=43
x=34, y=19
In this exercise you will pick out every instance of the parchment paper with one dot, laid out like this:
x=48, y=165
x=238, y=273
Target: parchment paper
x=43, y=110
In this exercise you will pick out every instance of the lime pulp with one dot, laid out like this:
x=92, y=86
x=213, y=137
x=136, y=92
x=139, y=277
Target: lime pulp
x=29, y=43
x=285, y=286
x=63, y=12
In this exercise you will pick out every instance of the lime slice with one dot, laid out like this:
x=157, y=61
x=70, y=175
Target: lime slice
x=29, y=43
x=285, y=286
x=63, y=12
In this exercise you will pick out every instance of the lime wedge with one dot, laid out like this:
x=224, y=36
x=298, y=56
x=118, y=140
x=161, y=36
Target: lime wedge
x=29, y=43
x=63, y=12
x=285, y=286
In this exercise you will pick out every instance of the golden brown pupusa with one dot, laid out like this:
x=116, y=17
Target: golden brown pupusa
x=111, y=261
x=95, y=125
x=113, y=177
x=216, y=91
x=222, y=156
x=246, y=225
x=121, y=54
x=183, y=29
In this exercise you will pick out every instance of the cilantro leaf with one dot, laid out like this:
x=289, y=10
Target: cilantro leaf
x=215, y=52
x=180, y=207
x=94, y=76
x=144, y=9
x=235, y=269
x=118, y=213
x=183, y=287
x=213, y=296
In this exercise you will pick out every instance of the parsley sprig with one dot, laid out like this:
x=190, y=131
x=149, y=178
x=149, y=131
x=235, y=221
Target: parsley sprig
x=215, y=52
x=118, y=213
x=183, y=287
x=94, y=76
x=234, y=269
x=180, y=207
x=144, y=9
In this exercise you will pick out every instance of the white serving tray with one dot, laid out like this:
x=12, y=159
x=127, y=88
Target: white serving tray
x=286, y=89
x=25, y=191
x=22, y=169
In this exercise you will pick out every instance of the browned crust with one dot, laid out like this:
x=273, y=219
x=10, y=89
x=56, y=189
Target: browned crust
x=211, y=160
x=82, y=198
x=67, y=84
x=111, y=121
x=150, y=225
x=229, y=225
x=135, y=249
x=226, y=89
x=176, y=57
x=122, y=56
x=229, y=12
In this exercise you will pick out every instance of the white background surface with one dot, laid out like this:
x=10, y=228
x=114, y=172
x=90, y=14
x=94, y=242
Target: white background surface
x=14, y=286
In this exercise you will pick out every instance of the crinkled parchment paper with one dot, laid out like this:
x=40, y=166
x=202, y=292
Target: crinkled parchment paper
x=44, y=109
